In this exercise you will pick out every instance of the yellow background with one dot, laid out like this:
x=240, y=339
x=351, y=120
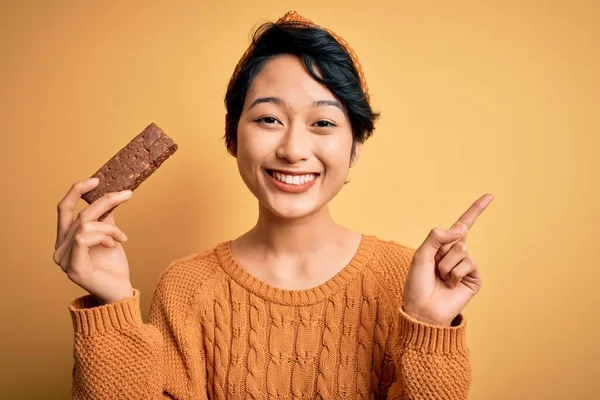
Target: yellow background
x=476, y=97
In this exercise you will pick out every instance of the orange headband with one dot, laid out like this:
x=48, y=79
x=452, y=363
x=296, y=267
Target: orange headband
x=293, y=16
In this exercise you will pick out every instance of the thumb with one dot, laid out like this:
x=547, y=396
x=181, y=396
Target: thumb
x=437, y=238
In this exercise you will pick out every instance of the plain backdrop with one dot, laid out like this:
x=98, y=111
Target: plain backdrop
x=482, y=96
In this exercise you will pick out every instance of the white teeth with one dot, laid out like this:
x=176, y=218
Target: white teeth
x=293, y=179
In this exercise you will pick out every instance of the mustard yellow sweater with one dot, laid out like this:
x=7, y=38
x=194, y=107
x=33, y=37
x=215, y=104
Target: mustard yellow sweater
x=217, y=332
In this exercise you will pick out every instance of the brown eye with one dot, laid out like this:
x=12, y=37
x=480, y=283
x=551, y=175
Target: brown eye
x=324, y=124
x=267, y=120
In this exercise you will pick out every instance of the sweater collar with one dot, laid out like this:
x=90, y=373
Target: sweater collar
x=296, y=297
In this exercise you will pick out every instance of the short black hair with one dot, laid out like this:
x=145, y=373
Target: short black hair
x=316, y=48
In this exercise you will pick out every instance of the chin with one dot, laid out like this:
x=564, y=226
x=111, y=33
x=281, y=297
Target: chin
x=292, y=209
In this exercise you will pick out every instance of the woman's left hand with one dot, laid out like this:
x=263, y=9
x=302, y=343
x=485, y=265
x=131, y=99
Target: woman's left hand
x=443, y=277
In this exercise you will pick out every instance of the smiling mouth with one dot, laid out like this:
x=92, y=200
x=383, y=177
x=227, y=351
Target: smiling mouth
x=296, y=180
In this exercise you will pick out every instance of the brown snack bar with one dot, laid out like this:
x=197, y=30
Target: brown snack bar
x=133, y=164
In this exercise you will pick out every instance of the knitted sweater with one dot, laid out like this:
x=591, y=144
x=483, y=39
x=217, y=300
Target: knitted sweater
x=215, y=331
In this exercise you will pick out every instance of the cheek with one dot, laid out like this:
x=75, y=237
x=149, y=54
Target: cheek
x=253, y=148
x=335, y=154
x=252, y=145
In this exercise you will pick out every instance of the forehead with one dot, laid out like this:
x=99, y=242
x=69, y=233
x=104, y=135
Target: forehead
x=285, y=76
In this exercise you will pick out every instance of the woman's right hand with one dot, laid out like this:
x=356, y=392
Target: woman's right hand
x=90, y=251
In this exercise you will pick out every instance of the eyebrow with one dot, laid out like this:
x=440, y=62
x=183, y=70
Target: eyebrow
x=279, y=102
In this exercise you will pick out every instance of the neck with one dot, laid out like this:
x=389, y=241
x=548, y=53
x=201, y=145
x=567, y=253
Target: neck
x=300, y=235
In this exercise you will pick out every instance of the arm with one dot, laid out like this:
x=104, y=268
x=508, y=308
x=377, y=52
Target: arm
x=116, y=355
x=429, y=362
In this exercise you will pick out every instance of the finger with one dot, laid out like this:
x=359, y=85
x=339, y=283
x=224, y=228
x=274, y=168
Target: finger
x=86, y=227
x=64, y=263
x=67, y=204
x=81, y=247
x=104, y=204
x=62, y=258
x=442, y=251
x=467, y=268
x=63, y=255
x=436, y=238
x=455, y=256
x=110, y=218
x=467, y=220
x=96, y=209
x=106, y=228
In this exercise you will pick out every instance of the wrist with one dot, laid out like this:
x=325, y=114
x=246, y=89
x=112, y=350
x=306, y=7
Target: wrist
x=422, y=318
x=116, y=298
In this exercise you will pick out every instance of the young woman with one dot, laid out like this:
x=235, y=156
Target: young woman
x=298, y=307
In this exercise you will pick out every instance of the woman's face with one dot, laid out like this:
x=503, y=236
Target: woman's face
x=293, y=141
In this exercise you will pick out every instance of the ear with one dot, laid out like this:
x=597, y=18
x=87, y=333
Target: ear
x=231, y=149
x=357, y=149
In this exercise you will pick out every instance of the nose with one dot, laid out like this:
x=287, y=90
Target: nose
x=295, y=145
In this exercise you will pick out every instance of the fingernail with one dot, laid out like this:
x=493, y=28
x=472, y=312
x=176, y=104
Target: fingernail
x=126, y=193
x=94, y=180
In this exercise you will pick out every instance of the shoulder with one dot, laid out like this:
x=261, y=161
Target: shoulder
x=388, y=251
x=184, y=276
x=389, y=263
x=193, y=267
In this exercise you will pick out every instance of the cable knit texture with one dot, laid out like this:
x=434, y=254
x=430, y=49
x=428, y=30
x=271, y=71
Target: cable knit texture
x=215, y=331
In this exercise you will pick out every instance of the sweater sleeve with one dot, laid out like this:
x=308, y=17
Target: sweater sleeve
x=430, y=362
x=421, y=361
x=117, y=356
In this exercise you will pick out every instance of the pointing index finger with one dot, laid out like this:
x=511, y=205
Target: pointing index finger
x=468, y=218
